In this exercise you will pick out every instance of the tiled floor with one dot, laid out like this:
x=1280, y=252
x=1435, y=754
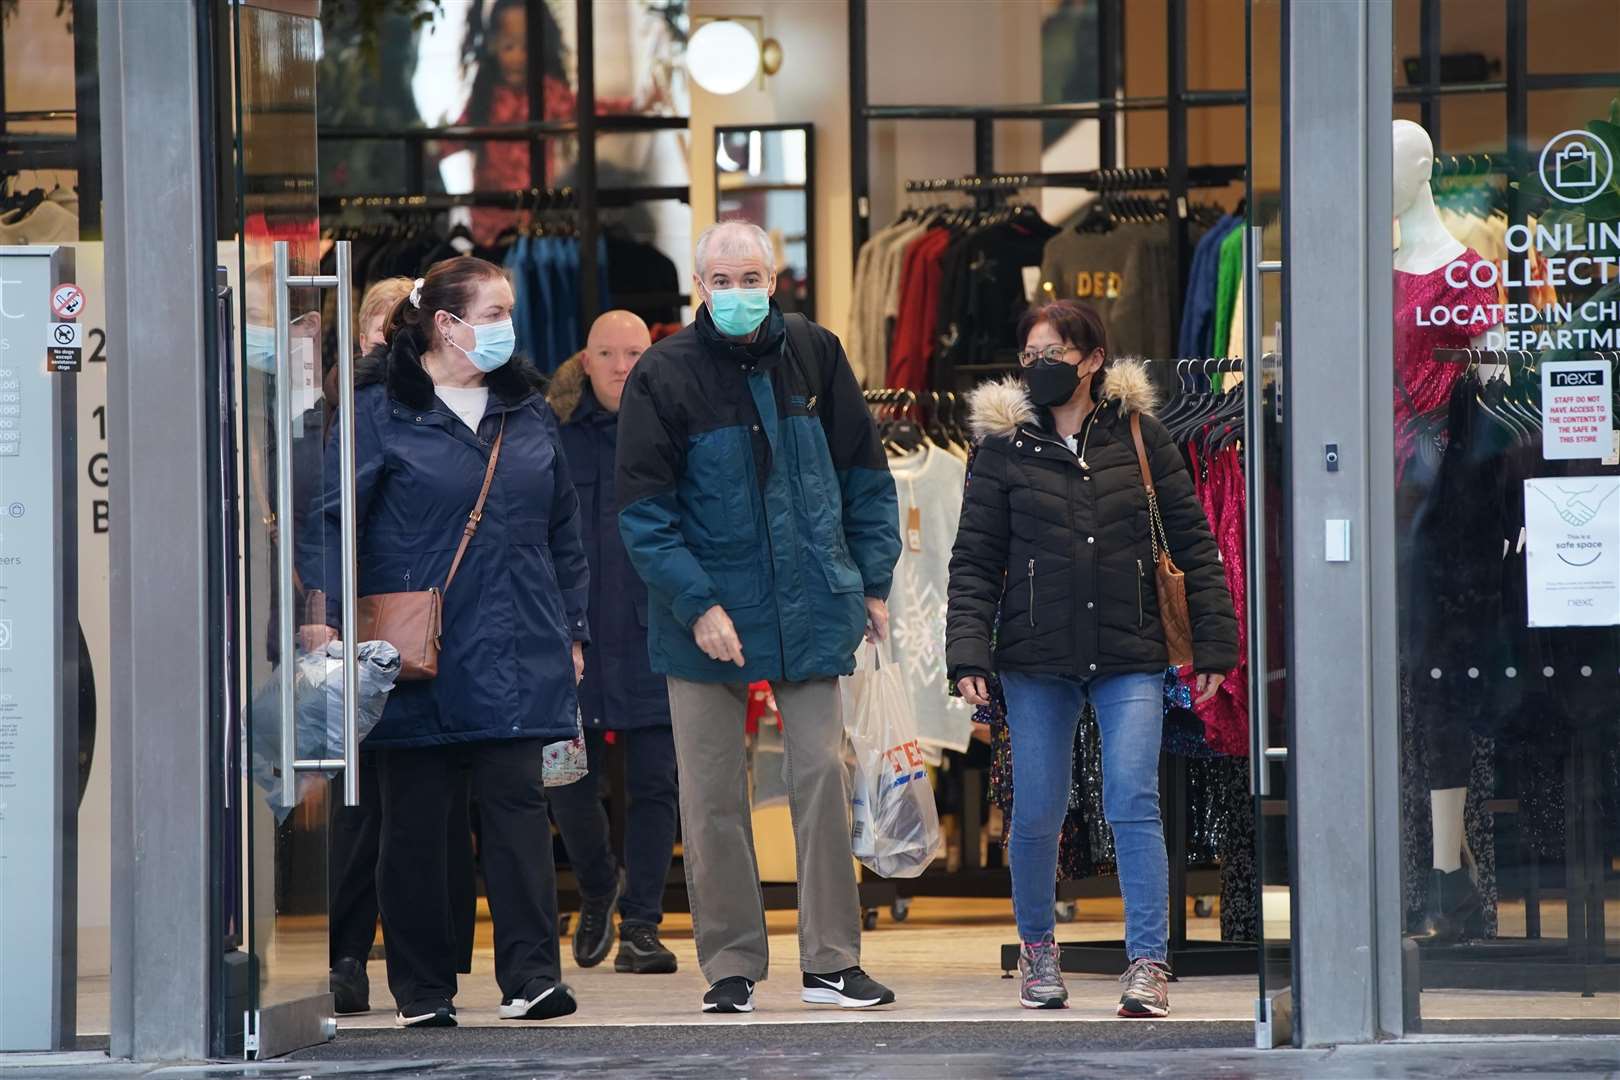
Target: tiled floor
x=943, y=963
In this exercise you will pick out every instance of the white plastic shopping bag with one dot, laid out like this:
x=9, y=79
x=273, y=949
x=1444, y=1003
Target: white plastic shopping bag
x=895, y=826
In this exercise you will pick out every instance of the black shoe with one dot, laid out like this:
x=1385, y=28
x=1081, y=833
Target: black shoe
x=593, y=937
x=733, y=995
x=542, y=1000
x=1456, y=910
x=851, y=988
x=351, y=990
x=640, y=951
x=431, y=1013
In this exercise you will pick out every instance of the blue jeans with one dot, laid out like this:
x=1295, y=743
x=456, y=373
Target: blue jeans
x=1043, y=712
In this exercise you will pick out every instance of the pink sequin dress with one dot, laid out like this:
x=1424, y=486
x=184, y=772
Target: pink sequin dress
x=1421, y=382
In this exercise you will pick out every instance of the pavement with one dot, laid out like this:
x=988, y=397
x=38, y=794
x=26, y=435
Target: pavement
x=952, y=1051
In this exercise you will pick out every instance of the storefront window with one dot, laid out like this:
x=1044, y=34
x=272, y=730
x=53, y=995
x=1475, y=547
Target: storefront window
x=1507, y=322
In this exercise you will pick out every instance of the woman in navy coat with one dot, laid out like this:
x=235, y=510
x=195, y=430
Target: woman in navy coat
x=428, y=412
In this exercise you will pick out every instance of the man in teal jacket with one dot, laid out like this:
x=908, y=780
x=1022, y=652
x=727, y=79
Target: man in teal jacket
x=755, y=502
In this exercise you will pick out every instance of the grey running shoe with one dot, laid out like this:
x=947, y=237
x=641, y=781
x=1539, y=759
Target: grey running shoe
x=1040, y=979
x=1147, y=990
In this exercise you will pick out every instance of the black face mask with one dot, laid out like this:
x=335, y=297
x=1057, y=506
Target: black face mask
x=1051, y=385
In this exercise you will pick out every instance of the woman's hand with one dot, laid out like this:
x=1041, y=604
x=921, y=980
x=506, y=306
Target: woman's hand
x=314, y=638
x=1208, y=685
x=579, y=662
x=973, y=689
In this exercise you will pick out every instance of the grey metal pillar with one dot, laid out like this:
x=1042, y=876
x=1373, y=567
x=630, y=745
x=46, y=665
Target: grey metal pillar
x=1339, y=330
x=155, y=186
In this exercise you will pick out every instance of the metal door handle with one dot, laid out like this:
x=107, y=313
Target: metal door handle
x=1260, y=753
x=291, y=764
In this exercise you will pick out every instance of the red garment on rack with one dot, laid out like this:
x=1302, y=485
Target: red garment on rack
x=1221, y=490
x=919, y=307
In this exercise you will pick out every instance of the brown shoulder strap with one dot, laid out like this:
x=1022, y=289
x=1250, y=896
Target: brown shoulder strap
x=1141, y=452
x=477, y=514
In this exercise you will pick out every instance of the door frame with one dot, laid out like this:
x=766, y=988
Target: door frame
x=1338, y=334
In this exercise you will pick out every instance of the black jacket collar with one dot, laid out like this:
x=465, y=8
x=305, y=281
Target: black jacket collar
x=409, y=383
x=748, y=354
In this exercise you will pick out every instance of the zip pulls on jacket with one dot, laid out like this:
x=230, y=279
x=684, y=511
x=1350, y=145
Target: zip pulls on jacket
x=1088, y=425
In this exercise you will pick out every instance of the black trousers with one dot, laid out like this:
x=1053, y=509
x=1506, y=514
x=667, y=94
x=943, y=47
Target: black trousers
x=419, y=789
x=649, y=834
x=353, y=839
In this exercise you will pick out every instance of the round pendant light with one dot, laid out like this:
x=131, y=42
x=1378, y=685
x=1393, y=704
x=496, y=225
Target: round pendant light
x=722, y=56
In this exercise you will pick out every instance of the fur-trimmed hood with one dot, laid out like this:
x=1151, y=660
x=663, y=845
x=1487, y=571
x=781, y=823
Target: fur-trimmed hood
x=411, y=385
x=1003, y=406
x=567, y=388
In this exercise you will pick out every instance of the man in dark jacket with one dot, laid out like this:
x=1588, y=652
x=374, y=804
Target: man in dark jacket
x=756, y=503
x=620, y=692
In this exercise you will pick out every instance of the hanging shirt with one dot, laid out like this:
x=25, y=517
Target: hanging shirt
x=467, y=402
x=929, y=486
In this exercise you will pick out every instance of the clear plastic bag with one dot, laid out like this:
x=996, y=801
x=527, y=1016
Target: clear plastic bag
x=566, y=762
x=895, y=826
x=318, y=710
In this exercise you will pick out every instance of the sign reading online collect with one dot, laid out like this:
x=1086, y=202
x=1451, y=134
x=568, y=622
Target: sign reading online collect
x=1575, y=167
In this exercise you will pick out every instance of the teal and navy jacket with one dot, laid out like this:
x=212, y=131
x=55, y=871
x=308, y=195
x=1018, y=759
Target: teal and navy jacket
x=752, y=476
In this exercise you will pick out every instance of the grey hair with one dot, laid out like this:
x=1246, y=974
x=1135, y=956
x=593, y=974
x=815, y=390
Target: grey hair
x=723, y=233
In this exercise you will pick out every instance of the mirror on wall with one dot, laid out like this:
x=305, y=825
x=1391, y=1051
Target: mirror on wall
x=765, y=173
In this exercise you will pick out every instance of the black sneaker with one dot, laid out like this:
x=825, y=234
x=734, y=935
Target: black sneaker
x=542, y=1000
x=593, y=937
x=733, y=995
x=640, y=951
x=851, y=988
x=351, y=990
x=431, y=1013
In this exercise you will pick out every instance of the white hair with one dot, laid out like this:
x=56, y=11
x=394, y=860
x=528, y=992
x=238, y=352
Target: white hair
x=733, y=237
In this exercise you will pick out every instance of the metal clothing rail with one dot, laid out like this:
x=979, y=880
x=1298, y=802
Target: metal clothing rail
x=1101, y=180
x=563, y=198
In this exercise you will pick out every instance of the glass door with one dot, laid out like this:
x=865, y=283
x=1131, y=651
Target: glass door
x=1268, y=577
x=296, y=743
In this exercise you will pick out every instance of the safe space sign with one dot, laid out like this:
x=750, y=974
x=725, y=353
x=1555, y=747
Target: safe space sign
x=1572, y=550
x=1577, y=416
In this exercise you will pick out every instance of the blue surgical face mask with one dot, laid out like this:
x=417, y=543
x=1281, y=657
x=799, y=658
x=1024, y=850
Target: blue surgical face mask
x=738, y=312
x=261, y=347
x=492, y=343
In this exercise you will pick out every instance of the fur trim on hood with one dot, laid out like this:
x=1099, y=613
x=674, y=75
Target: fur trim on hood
x=412, y=386
x=1001, y=407
x=567, y=387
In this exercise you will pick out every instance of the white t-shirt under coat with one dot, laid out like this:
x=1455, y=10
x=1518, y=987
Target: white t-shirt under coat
x=467, y=402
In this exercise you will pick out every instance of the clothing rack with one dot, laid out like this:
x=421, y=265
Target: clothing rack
x=1098, y=180
x=562, y=198
x=585, y=126
x=1175, y=104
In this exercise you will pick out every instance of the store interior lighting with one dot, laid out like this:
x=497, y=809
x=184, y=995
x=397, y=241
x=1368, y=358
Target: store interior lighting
x=726, y=53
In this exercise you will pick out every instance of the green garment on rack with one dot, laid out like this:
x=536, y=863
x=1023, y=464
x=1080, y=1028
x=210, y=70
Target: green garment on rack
x=1226, y=291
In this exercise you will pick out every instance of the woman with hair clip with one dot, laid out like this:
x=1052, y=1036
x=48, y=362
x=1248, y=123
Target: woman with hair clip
x=442, y=412
x=1056, y=535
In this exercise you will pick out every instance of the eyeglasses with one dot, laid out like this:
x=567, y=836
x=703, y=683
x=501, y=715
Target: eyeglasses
x=1051, y=355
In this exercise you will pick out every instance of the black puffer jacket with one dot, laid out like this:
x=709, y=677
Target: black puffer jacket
x=1062, y=543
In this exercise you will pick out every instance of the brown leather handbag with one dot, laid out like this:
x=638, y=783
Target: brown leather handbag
x=1169, y=581
x=413, y=621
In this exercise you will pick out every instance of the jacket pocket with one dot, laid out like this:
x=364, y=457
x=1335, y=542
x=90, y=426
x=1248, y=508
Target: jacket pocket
x=1141, y=615
x=1032, y=592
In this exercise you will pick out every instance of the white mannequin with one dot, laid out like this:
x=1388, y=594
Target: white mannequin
x=1427, y=246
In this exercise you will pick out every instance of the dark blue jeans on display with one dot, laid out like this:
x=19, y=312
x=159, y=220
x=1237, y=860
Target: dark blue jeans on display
x=1043, y=712
x=649, y=828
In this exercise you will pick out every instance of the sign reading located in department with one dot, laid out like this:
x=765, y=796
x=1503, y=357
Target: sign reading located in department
x=1572, y=532
x=1577, y=414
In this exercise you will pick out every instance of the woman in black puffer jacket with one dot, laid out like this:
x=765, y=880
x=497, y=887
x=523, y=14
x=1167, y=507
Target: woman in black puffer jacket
x=1055, y=532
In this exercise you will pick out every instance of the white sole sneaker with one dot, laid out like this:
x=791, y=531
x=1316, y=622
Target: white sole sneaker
x=519, y=1009
x=731, y=1007
x=1052, y=1003
x=425, y=1020
x=829, y=996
